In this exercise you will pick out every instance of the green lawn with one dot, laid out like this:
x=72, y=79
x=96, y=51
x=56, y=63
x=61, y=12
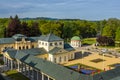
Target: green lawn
x=89, y=41
x=14, y=75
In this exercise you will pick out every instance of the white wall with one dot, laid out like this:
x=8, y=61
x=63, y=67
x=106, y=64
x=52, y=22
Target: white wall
x=48, y=46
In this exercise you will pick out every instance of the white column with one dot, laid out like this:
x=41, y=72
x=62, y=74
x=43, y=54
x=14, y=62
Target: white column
x=48, y=78
x=37, y=75
x=25, y=69
x=18, y=66
x=11, y=64
x=29, y=71
x=42, y=76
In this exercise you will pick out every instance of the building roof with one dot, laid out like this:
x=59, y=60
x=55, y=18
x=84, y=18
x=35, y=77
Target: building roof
x=75, y=38
x=6, y=40
x=50, y=38
x=18, y=36
x=113, y=74
x=58, y=72
x=57, y=50
x=33, y=51
x=68, y=47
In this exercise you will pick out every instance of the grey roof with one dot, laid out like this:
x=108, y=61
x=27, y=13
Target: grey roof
x=33, y=39
x=68, y=47
x=50, y=38
x=113, y=74
x=58, y=72
x=34, y=51
x=18, y=36
x=57, y=50
x=11, y=52
x=6, y=40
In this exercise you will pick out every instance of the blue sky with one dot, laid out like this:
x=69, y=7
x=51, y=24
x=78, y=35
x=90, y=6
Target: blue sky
x=78, y=9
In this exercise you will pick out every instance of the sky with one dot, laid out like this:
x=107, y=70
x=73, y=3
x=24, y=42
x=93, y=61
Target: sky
x=72, y=9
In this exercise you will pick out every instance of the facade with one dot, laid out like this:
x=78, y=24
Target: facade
x=18, y=42
x=76, y=42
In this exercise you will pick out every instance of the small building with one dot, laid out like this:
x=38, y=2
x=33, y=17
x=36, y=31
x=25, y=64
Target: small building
x=19, y=42
x=76, y=41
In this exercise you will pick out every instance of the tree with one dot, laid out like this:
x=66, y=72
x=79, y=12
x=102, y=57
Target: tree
x=117, y=37
x=13, y=26
x=105, y=41
x=34, y=29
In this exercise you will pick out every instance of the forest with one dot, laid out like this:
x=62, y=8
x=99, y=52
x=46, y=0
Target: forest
x=64, y=28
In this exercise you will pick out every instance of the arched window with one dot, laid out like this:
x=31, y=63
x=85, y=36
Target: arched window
x=42, y=43
x=60, y=59
x=32, y=46
x=23, y=47
x=19, y=48
x=51, y=44
x=55, y=60
x=26, y=47
x=60, y=43
x=64, y=58
x=55, y=44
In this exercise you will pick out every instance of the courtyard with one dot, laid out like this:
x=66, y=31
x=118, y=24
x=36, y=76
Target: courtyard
x=95, y=60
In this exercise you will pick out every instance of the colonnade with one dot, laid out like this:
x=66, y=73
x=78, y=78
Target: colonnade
x=28, y=71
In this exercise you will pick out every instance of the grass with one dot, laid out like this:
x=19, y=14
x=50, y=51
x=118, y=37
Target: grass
x=14, y=75
x=89, y=41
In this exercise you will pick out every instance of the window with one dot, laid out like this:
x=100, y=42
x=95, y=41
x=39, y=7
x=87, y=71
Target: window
x=32, y=46
x=55, y=60
x=26, y=47
x=60, y=59
x=5, y=47
x=64, y=58
x=23, y=47
x=51, y=44
x=71, y=56
x=60, y=43
x=55, y=44
x=39, y=42
x=42, y=43
x=19, y=48
x=46, y=44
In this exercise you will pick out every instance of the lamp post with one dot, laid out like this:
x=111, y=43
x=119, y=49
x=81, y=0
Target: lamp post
x=103, y=61
x=82, y=55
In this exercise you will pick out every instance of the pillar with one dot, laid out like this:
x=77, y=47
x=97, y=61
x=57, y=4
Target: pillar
x=37, y=75
x=48, y=78
x=42, y=76
x=11, y=64
x=29, y=72
x=18, y=66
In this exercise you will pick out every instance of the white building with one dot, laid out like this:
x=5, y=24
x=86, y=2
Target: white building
x=76, y=42
x=57, y=50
